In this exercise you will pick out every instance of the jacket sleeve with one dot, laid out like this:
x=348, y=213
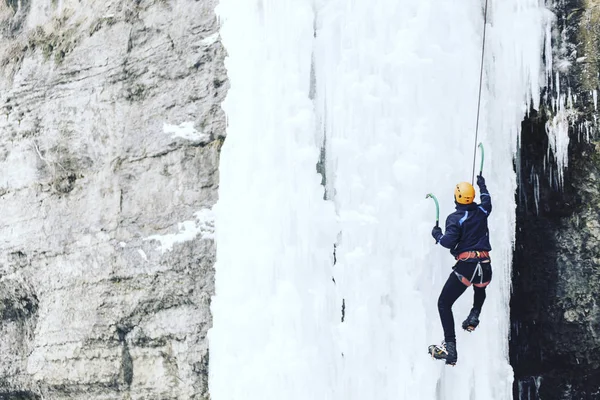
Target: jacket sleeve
x=486, y=199
x=452, y=235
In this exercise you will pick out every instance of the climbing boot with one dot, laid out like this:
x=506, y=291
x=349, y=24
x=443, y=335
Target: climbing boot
x=445, y=351
x=452, y=355
x=472, y=320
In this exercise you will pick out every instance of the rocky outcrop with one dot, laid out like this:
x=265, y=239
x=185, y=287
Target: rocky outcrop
x=555, y=351
x=110, y=132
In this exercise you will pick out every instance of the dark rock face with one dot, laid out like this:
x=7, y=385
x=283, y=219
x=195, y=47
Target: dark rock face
x=554, y=344
x=556, y=272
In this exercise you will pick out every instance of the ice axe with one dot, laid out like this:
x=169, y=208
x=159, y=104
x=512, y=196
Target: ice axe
x=482, y=158
x=437, y=209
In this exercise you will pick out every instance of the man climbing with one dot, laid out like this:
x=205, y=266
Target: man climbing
x=467, y=237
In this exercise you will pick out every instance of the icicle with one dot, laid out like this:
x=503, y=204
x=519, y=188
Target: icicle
x=536, y=192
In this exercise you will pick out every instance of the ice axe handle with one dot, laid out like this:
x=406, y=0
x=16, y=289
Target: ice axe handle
x=482, y=157
x=437, y=208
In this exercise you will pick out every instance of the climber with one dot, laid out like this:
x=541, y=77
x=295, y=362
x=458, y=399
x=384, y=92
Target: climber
x=467, y=237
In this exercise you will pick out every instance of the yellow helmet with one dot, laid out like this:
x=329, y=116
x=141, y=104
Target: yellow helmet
x=464, y=193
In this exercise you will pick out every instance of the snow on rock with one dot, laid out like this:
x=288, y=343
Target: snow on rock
x=143, y=254
x=187, y=230
x=185, y=130
x=211, y=39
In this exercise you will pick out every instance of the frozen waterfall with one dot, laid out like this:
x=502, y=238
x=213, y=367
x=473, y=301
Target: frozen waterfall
x=383, y=96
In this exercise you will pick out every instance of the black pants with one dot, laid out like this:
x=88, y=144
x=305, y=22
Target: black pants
x=454, y=288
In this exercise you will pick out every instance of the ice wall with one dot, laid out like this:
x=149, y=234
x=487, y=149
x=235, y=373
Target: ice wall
x=275, y=310
x=395, y=99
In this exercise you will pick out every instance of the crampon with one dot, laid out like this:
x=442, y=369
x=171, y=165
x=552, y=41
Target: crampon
x=472, y=321
x=440, y=352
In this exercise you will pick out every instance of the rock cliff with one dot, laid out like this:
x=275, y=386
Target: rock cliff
x=110, y=132
x=554, y=309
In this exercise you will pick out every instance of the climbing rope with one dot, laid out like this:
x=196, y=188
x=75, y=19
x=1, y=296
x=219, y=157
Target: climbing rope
x=480, y=86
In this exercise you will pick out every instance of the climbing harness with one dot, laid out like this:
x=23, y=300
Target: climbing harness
x=469, y=255
x=483, y=262
x=482, y=257
x=479, y=98
x=478, y=272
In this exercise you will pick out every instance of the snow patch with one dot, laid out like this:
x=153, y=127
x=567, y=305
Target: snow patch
x=210, y=40
x=185, y=130
x=142, y=254
x=188, y=230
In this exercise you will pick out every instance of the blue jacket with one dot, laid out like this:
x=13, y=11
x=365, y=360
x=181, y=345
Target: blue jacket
x=467, y=227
